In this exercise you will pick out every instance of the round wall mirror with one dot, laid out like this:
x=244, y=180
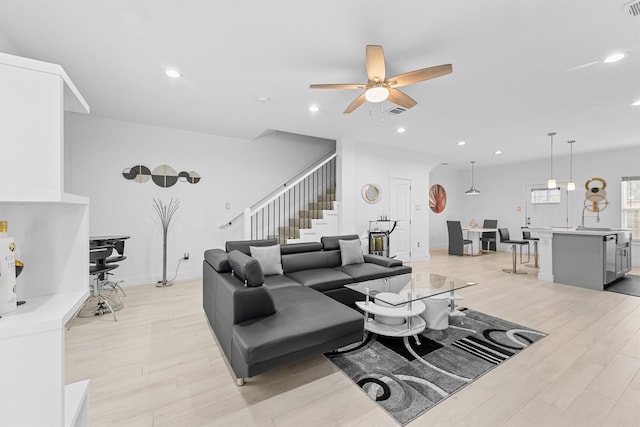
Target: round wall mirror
x=371, y=193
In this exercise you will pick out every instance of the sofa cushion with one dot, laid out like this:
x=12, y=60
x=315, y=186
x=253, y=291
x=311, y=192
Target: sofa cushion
x=268, y=257
x=351, y=252
x=246, y=268
x=243, y=245
x=310, y=260
x=365, y=271
x=321, y=279
x=382, y=260
x=304, y=318
x=252, y=303
x=330, y=243
x=218, y=259
x=279, y=281
x=296, y=248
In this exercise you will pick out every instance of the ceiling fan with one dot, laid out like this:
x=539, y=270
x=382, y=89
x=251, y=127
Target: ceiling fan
x=379, y=88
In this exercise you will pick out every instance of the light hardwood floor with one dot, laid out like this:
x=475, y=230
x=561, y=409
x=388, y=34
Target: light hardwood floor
x=160, y=366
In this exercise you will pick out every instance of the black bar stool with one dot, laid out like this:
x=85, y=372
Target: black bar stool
x=504, y=238
x=526, y=235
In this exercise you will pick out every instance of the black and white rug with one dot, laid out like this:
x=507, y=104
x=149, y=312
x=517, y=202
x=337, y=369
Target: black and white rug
x=408, y=376
x=628, y=285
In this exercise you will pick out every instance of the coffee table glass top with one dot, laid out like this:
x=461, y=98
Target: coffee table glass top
x=413, y=287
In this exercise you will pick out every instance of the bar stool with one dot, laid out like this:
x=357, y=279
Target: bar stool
x=526, y=235
x=504, y=238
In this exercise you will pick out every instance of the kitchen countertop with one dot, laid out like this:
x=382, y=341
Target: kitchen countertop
x=583, y=231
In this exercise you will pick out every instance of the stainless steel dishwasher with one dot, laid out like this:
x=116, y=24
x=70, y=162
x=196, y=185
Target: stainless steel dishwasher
x=609, y=242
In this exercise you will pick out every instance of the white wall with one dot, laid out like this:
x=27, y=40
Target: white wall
x=379, y=165
x=6, y=45
x=234, y=171
x=503, y=188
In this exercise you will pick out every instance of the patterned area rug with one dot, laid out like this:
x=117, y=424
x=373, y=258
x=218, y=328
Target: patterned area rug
x=408, y=376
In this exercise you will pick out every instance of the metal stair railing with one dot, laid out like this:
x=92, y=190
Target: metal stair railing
x=287, y=211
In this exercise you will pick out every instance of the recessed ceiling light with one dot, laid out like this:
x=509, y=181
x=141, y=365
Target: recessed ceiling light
x=614, y=57
x=401, y=130
x=264, y=99
x=637, y=103
x=313, y=108
x=498, y=152
x=173, y=74
x=461, y=142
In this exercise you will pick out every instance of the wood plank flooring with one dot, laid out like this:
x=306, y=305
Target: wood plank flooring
x=159, y=365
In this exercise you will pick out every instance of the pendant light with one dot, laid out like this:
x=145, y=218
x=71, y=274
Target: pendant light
x=571, y=186
x=472, y=190
x=551, y=183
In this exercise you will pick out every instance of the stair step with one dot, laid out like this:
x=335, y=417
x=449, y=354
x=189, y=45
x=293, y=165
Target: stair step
x=289, y=232
x=321, y=206
x=328, y=197
x=300, y=222
x=317, y=213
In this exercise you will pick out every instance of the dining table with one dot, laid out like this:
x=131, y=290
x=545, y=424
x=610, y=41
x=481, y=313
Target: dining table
x=474, y=234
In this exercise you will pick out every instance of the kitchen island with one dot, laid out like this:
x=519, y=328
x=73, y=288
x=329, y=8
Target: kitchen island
x=589, y=258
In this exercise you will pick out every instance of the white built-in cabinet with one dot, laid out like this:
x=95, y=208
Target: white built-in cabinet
x=51, y=230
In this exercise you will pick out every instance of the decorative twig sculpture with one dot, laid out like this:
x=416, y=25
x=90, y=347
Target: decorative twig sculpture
x=165, y=213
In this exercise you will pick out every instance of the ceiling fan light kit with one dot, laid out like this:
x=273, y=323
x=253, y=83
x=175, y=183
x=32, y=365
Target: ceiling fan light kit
x=380, y=88
x=376, y=94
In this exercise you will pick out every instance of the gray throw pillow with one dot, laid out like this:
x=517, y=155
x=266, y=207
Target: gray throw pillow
x=269, y=258
x=351, y=252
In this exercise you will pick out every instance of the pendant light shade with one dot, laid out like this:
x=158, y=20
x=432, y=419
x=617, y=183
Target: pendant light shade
x=473, y=189
x=571, y=186
x=551, y=183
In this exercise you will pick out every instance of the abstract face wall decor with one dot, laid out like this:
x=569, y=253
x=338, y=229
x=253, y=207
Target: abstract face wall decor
x=437, y=198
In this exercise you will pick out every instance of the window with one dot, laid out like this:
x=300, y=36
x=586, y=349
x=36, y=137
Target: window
x=545, y=195
x=631, y=205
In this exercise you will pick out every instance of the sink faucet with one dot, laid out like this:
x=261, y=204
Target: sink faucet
x=581, y=226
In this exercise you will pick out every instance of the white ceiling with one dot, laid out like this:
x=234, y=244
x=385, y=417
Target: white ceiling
x=521, y=68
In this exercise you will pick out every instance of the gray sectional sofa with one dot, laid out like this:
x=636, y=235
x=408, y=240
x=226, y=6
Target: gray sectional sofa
x=266, y=321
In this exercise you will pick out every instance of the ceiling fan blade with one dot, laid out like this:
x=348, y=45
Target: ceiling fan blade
x=375, y=63
x=420, y=75
x=400, y=98
x=355, y=104
x=338, y=86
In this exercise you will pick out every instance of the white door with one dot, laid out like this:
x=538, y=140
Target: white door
x=400, y=210
x=545, y=214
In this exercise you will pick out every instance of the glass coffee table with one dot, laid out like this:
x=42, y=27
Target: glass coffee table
x=405, y=305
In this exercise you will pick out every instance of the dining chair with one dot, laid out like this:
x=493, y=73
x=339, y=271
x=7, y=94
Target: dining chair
x=489, y=236
x=457, y=242
x=505, y=238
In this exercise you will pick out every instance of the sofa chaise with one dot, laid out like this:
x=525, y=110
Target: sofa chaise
x=265, y=317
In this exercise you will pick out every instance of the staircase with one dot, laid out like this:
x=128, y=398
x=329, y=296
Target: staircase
x=319, y=219
x=302, y=211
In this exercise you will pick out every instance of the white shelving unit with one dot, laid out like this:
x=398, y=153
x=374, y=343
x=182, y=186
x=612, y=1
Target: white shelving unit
x=51, y=230
x=413, y=325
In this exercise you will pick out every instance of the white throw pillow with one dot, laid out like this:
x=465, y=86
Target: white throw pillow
x=351, y=252
x=269, y=258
